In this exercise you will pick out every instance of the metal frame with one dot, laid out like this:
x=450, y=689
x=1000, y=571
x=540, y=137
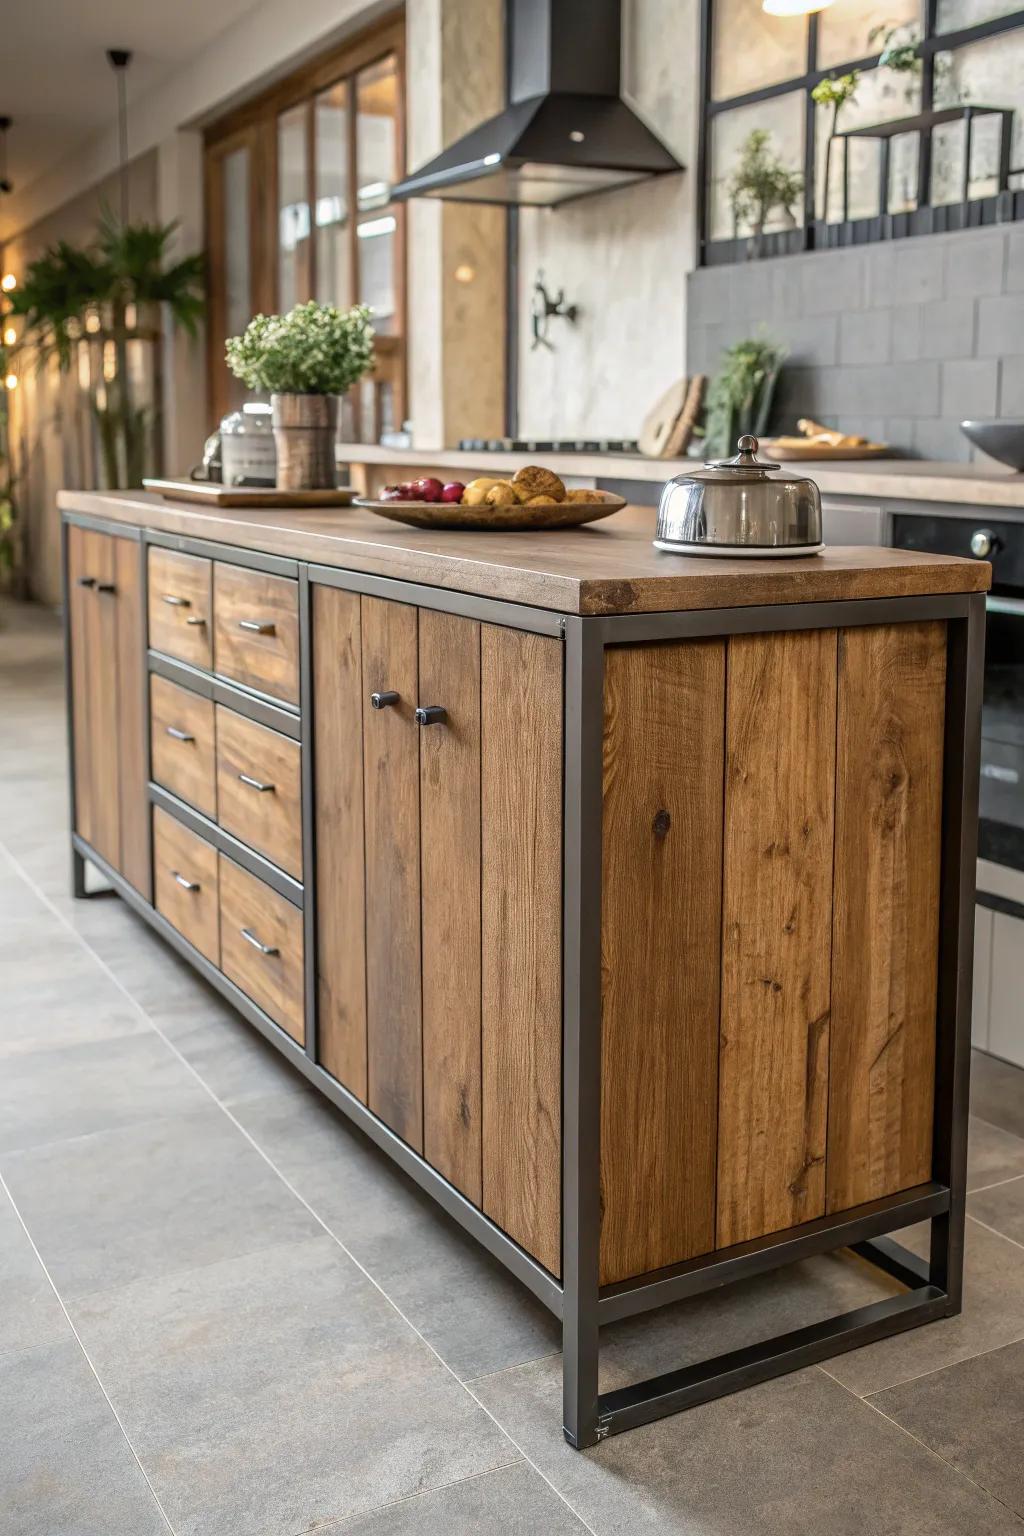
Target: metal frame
x=819, y=234
x=934, y=1286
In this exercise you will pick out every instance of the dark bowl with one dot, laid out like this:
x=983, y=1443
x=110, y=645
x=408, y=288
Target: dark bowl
x=1002, y=440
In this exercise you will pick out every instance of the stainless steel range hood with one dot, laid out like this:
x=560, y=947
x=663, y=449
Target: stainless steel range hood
x=566, y=132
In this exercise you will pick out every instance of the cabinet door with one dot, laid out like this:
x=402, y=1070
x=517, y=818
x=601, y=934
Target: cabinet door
x=134, y=861
x=391, y=813
x=94, y=690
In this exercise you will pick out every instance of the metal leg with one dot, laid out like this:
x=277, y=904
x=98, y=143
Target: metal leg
x=78, y=889
x=581, y=1065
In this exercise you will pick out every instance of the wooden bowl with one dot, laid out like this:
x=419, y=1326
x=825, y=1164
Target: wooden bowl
x=517, y=519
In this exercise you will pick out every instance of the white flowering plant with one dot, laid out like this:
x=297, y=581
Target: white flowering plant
x=315, y=349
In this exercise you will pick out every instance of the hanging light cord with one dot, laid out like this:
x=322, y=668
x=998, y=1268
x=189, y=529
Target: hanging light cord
x=119, y=59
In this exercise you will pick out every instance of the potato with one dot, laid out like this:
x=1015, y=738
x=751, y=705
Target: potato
x=501, y=495
x=542, y=501
x=474, y=495
x=483, y=483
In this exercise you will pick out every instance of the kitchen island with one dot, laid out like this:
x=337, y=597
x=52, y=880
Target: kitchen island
x=624, y=899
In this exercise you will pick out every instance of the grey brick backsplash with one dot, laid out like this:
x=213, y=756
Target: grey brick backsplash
x=970, y=388
x=898, y=341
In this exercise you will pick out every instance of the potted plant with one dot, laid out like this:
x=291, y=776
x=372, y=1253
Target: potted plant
x=760, y=183
x=740, y=396
x=304, y=360
x=834, y=91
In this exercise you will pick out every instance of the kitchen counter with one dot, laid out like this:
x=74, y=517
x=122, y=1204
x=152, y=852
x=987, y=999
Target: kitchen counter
x=606, y=567
x=972, y=485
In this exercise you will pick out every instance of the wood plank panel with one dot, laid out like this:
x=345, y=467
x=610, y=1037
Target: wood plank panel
x=102, y=684
x=182, y=752
x=450, y=861
x=892, y=682
x=186, y=883
x=776, y=922
x=521, y=811
x=267, y=659
x=661, y=918
x=268, y=819
x=132, y=722
x=391, y=779
x=272, y=976
x=340, y=857
x=80, y=599
x=181, y=606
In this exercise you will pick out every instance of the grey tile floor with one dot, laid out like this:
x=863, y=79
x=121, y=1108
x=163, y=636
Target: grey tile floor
x=223, y=1313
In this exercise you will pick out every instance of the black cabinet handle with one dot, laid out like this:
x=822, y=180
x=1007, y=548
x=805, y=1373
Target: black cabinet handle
x=186, y=885
x=257, y=626
x=105, y=586
x=383, y=700
x=264, y=949
x=431, y=714
x=177, y=602
x=87, y=581
x=255, y=783
x=172, y=730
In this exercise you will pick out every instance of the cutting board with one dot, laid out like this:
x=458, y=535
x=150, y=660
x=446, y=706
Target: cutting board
x=213, y=494
x=667, y=428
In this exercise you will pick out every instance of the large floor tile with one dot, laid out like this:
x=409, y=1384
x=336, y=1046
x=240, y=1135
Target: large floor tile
x=993, y=1155
x=1002, y=1208
x=273, y=1393
x=29, y=1311
x=66, y=1468
x=997, y=1093
x=972, y=1414
x=794, y=1457
x=993, y=1315
x=121, y=1205
x=230, y=1056
x=514, y=1501
x=463, y=1301
x=102, y=1085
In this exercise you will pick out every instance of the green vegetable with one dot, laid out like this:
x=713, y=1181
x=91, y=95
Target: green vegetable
x=315, y=349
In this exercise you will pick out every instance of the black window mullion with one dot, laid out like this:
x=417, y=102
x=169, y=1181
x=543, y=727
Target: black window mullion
x=810, y=136
x=924, y=147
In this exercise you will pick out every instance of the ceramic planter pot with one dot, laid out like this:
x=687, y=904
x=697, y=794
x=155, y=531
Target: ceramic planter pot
x=305, y=427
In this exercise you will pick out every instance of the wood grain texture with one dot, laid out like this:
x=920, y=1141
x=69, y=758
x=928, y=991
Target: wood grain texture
x=181, y=606
x=449, y=662
x=891, y=717
x=521, y=812
x=132, y=724
x=391, y=780
x=273, y=981
x=340, y=854
x=187, y=768
x=267, y=662
x=269, y=820
x=103, y=708
x=661, y=922
x=80, y=599
x=612, y=568
x=179, y=852
x=776, y=922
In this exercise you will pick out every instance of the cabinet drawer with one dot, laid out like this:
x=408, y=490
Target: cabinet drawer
x=185, y=879
x=181, y=744
x=256, y=625
x=259, y=788
x=179, y=606
x=261, y=946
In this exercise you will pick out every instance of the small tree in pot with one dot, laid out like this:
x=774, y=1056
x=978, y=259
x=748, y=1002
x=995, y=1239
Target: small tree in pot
x=304, y=360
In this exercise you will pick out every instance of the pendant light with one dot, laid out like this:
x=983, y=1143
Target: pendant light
x=119, y=59
x=794, y=7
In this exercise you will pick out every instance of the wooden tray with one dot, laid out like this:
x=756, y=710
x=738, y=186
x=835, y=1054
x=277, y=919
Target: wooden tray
x=451, y=514
x=213, y=494
x=821, y=451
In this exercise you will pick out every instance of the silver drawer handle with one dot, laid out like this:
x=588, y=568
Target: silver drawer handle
x=264, y=949
x=255, y=783
x=177, y=602
x=172, y=730
x=194, y=620
x=186, y=885
x=257, y=626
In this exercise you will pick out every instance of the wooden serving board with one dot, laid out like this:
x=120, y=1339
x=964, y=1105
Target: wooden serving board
x=212, y=494
x=822, y=451
x=516, y=519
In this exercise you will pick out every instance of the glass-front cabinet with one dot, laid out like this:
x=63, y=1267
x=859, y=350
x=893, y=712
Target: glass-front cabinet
x=299, y=207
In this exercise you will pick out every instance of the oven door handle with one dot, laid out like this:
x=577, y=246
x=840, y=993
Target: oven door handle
x=1013, y=605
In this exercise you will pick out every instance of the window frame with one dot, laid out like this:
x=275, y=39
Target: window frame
x=816, y=233
x=254, y=125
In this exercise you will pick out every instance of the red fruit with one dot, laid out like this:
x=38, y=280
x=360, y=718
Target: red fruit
x=407, y=492
x=427, y=489
x=392, y=493
x=453, y=491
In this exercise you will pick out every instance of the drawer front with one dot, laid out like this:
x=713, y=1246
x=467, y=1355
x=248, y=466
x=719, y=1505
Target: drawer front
x=180, y=606
x=185, y=878
x=256, y=625
x=259, y=789
x=181, y=744
x=261, y=946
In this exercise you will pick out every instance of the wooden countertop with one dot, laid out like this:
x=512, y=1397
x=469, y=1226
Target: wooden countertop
x=606, y=567
x=969, y=485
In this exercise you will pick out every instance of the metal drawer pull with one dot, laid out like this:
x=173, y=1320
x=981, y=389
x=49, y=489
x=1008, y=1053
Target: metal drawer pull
x=186, y=885
x=179, y=735
x=431, y=714
x=264, y=949
x=255, y=783
x=87, y=581
x=177, y=602
x=257, y=626
x=382, y=700
x=194, y=620
x=105, y=586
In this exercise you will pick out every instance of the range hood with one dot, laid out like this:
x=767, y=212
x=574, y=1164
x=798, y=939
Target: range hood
x=566, y=132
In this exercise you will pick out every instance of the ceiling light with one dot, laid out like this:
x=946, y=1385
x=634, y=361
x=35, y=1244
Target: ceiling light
x=576, y=136
x=8, y=282
x=11, y=381
x=464, y=273
x=794, y=7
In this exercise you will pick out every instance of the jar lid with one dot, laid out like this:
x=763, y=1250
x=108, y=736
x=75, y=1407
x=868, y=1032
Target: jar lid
x=744, y=468
x=746, y=459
